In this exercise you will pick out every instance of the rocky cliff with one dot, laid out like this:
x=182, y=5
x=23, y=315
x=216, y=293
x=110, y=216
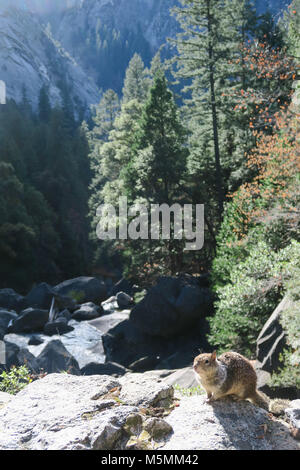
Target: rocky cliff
x=30, y=58
x=40, y=6
x=94, y=42
x=103, y=35
x=152, y=17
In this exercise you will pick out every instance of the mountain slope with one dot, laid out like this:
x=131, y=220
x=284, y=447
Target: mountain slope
x=103, y=35
x=39, y=6
x=30, y=58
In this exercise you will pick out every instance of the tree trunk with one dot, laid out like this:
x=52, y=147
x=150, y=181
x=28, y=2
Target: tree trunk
x=214, y=115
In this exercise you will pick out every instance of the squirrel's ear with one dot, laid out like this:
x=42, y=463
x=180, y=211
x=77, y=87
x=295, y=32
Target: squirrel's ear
x=214, y=356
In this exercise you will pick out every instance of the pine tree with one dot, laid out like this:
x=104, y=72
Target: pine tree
x=44, y=105
x=103, y=119
x=154, y=175
x=162, y=137
x=44, y=178
x=104, y=116
x=209, y=50
x=202, y=51
x=112, y=138
x=116, y=154
x=136, y=82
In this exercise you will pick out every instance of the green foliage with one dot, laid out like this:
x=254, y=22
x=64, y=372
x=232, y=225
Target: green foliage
x=189, y=392
x=111, y=141
x=154, y=174
x=78, y=296
x=210, y=65
x=289, y=374
x=14, y=380
x=291, y=28
x=159, y=160
x=137, y=81
x=255, y=287
x=44, y=178
x=139, y=296
x=110, y=51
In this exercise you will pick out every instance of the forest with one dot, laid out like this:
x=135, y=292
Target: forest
x=216, y=123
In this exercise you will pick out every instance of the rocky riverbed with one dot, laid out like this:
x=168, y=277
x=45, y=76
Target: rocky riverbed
x=84, y=327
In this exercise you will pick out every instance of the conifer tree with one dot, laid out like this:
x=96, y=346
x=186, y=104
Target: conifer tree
x=113, y=136
x=209, y=49
x=44, y=105
x=136, y=82
x=154, y=176
x=104, y=116
x=161, y=136
x=202, y=51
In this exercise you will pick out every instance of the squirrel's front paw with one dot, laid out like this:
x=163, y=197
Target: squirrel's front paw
x=209, y=399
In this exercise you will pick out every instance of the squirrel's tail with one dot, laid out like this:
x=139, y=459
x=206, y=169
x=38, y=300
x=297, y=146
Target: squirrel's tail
x=261, y=400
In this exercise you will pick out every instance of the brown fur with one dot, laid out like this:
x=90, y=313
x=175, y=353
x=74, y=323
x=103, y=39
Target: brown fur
x=229, y=374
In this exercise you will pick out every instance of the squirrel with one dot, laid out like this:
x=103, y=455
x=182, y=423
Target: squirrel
x=229, y=374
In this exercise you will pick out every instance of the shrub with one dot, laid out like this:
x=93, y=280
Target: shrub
x=15, y=380
x=256, y=286
x=267, y=207
x=289, y=374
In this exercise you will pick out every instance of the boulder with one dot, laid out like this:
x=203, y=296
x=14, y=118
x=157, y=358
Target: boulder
x=57, y=327
x=10, y=300
x=124, y=300
x=64, y=314
x=109, y=368
x=84, y=342
x=26, y=358
x=110, y=305
x=144, y=364
x=269, y=346
x=5, y=318
x=66, y=412
x=5, y=398
x=18, y=356
x=107, y=322
x=123, y=285
x=83, y=289
x=172, y=306
x=271, y=340
x=55, y=358
x=29, y=320
x=185, y=378
x=225, y=425
x=158, y=428
x=292, y=413
x=88, y=311
x=35, y=341
x=179, y=359
x=59, y=412
x=126, y=344
x=279, y=391
x=145, y=390
x=41, y=297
